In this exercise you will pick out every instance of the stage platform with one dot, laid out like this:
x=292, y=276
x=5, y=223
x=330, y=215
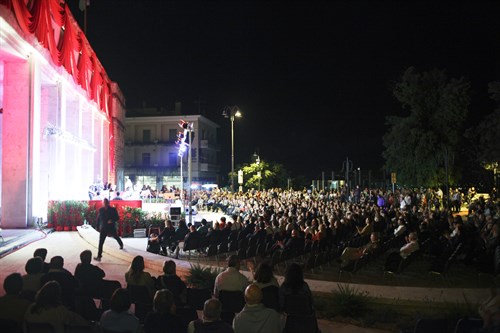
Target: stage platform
x=13, y=239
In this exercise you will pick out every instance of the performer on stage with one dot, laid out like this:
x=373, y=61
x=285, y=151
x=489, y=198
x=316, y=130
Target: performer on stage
x=106, y=224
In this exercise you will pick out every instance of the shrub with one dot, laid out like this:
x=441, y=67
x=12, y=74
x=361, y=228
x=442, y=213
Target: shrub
x=349, y=301
x=202, y=277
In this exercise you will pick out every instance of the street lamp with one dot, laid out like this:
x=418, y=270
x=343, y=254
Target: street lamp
x=232, y=112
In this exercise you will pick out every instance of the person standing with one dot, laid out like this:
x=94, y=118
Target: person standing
x=106, y=223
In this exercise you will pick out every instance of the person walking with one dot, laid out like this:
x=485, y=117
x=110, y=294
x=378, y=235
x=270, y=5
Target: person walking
x=106, y=224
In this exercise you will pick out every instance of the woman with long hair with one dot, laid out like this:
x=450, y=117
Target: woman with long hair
x=48, y=308
x=137, y=276
x=294, y=284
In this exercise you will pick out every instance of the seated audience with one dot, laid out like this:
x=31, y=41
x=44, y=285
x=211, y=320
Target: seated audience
x=171, y=281
x=66, y=280
x=294, y=284
x=163, y=318
x=354, y=253
x=49, y=308
x=137, y=276
x=394, y=258
x=231, y=278
x=118, y=318
x=255, y=317
x=32, y=280
x=211, y=321
x=12, y=304
x=88, y=275
x=42, y=253
x=263, y=276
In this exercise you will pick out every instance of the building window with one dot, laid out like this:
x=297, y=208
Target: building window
x=146, y=135
x=146, y=159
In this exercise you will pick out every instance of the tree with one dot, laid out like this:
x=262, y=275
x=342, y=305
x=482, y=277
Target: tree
x=420, y=147
x=271, y=175
x=485, y=137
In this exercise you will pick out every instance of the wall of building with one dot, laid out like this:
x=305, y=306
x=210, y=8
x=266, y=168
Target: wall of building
x=164, y=165
x=56, y=127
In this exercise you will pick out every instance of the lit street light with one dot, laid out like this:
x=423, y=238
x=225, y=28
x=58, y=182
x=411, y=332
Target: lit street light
x=231, y=112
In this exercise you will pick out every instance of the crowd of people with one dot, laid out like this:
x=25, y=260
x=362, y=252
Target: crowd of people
x=356, y=223
x=47, y=293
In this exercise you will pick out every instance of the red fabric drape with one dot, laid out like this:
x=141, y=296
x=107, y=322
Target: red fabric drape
x=70, y=48
x=55, y=28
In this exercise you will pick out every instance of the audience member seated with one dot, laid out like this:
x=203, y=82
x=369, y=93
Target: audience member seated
x=214, y=234
x=171, y=281
x=192, y=239
x=88, y=275
x=203, y=228
x=294, y=284
x=211, y=321
x=32, y=280
x=231, y=278
x=367, y=228
x=401, y=228
x=255, y=317
x=163, y=318
x=66, y=280
x=294, y=243
x=12, y=304
x=263, y=276
x=137, y=276
x=394, y=258
x=48, y=308
x=42, y=253
x=166, y=236
x=180, y=232
x=354, y=253
x=118, y=318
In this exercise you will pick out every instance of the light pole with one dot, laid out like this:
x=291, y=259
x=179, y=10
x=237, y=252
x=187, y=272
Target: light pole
x=232, y=112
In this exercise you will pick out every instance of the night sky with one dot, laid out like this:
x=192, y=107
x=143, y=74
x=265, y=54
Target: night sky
x=312, y=78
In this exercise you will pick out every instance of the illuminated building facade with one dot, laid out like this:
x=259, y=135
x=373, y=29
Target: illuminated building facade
x=151, y=154
x=62, y=117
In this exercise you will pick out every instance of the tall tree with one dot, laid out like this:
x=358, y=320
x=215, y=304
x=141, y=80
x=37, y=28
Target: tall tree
x=420, y=146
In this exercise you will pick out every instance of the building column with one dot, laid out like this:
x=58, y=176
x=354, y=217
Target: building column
x=16, y=144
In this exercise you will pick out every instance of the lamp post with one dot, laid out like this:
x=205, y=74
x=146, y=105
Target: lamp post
x=232, y=112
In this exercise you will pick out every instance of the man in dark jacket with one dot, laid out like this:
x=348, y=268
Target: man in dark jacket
x=106, y=220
